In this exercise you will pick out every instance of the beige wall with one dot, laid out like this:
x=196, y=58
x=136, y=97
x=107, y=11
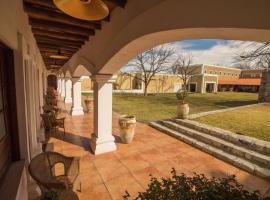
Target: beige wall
x=251, y=73
x=160, y=84
x=164, y=84
x=224, y=73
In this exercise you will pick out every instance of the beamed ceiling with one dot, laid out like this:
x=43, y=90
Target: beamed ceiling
x=55, y=31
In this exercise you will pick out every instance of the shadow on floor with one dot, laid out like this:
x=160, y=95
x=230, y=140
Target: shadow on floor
x=78, y=140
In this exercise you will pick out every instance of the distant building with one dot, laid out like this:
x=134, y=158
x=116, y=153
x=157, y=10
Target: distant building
x=204, y=79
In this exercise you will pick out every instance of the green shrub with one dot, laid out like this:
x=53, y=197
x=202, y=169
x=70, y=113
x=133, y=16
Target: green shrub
x=51, y=195
x=181, y=95
x=198, y=187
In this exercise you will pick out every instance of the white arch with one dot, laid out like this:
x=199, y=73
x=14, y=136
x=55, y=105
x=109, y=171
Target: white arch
x=80, y=71
x=144, y=24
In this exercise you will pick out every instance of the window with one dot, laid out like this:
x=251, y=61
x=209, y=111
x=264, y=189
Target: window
x=210, y=72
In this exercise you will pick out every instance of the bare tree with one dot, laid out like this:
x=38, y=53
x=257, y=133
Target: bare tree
x=152, y=62
x=260, y=56
x=122, y=78
x=183, y=69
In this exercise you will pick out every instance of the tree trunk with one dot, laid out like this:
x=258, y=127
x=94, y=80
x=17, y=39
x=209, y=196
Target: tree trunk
x=145, y=89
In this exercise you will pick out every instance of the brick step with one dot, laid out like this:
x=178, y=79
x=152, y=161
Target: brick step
x=237, y=161
x=247, y=154
x=240, y=140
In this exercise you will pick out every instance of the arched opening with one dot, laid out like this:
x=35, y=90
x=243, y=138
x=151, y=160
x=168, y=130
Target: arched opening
x=52, y=81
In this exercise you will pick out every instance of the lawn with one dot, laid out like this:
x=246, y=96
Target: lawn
x=253, y=121
x=163, y=106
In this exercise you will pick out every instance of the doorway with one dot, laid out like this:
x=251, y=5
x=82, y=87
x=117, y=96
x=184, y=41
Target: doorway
x=192, y=87
x=210, y=87
x=9, y=141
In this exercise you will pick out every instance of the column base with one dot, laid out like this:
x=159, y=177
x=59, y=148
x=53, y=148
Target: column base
x=77, y=111
x=102, y=145
x=68, y=100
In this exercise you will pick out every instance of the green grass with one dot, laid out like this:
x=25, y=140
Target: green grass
x=163, y=106
x=253, y=121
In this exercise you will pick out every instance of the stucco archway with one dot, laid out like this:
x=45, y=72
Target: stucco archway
x=52, y=81
x=139, y=27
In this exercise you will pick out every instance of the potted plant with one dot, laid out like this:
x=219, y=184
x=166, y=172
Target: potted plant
x=88, y=103
x=127, y=124
x=182, y=106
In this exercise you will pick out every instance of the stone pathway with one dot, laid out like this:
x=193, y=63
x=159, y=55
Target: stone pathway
x=108, y=176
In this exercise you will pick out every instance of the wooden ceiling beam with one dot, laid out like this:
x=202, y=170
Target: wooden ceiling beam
x=51, y=16
x=59, y=40
x=49, y=54
x=120, y=3
x=43, y=3
x=55, y=26
x=60, y=35
x=55, y=50
x=53, y=42
x=43, y=44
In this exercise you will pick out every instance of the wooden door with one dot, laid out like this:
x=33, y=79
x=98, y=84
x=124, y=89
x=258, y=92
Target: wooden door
x=9, y=141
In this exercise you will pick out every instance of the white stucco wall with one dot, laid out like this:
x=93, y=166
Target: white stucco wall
x=16, y=33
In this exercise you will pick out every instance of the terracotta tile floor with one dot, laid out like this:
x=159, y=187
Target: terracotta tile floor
x=107, y=176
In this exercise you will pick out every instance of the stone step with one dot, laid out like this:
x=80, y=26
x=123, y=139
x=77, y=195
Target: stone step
x=234, y=160
x=241, y=140
x=252, y=156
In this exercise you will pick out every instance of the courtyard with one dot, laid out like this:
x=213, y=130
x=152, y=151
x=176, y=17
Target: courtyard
x=163, y=106
x=109, y=175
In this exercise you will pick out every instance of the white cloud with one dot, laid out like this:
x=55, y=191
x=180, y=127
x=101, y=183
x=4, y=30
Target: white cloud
x=223, y=53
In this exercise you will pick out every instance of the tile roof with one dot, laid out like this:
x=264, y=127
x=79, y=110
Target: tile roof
x=242, y=81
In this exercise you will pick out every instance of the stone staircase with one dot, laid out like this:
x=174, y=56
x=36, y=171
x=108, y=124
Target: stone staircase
x=241, y=151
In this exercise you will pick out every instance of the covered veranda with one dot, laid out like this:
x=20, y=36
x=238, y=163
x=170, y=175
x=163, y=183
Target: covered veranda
x=32, y=30
x=109, y=175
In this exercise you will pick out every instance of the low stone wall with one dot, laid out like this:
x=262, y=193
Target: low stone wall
x=264, y=92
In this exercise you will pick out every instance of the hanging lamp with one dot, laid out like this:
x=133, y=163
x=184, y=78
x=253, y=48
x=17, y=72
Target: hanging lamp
x=83, y=9
x=59, y=56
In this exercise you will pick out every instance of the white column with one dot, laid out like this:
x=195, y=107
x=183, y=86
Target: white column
x=59, y=85
x=76, y=97
x=63, y=88
x=102, y=140
x=68, y=86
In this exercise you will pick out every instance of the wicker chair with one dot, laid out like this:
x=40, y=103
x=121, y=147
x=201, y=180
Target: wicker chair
x=51, y=123
x=42, y=170
x=50, y=108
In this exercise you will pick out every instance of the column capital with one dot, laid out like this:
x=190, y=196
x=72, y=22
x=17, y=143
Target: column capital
x=103, y=78
x=76, y=79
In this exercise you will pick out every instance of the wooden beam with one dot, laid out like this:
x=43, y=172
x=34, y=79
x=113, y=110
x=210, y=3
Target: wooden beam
x=55, y=50
x=120, y=3
x=49, y=54
x=60, y=35
x=59, y=40
x=53, y=42
x=55, y=26
x=54, y=62
x=56, y=46
x=44, y=3
x=51, y=16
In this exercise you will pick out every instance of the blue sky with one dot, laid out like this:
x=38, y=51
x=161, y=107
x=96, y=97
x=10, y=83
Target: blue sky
x=213, y=51
x=199, y=44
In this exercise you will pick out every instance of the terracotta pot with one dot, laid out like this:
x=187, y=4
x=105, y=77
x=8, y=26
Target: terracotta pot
x=182, y=110
x=88, y=104
x=127, y=124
